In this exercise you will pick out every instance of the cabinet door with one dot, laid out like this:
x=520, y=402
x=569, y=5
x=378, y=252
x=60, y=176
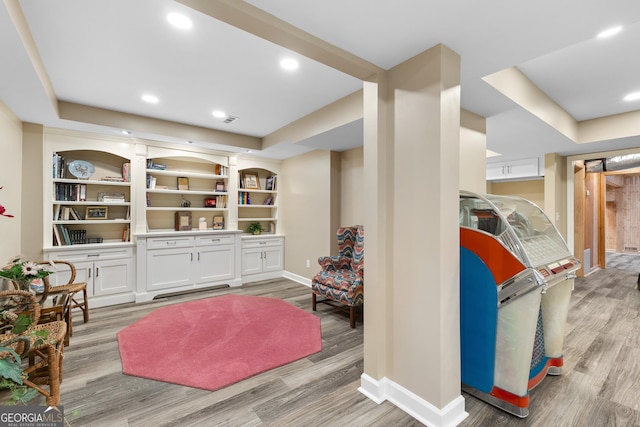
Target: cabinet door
x=526, y=168
x=272, y=259
x=112, y=277
x=84, y=273
x=251, y=261
x=495, y=171
x=169, y=268
x=215, y=263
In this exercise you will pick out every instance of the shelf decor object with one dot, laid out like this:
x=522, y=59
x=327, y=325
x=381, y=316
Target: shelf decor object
x=183, y=221
x=96, y=212
x=81, y=169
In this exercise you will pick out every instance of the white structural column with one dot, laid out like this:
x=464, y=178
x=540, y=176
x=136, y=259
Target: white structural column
x=412, y=134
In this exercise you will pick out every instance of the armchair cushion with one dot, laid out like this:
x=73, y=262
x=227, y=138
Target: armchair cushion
x=332, y=263
x=344, y=286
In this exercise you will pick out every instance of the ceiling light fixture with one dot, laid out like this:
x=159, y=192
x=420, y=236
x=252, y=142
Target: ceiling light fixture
x=179, y=21
x=189, y=142
x=219, y=114
x=126, y=132
x=289, y=64
x=151, y=99
x=609, y=32
x=632, y=96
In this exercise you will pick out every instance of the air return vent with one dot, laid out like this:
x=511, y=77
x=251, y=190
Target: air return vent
x=230, y=119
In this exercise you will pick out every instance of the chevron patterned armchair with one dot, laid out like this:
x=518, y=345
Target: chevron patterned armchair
x=342, y=277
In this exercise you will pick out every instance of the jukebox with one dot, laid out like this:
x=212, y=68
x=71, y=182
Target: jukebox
x=516, y=278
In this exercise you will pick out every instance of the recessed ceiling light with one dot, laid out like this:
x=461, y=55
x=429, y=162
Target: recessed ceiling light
x=219, y=114
x=189, y=142
x=289, y=64
x=632, y=96
x=126, y=132
x=151, y=99
x=179, y=21
x=248, y=151
x=609, y=32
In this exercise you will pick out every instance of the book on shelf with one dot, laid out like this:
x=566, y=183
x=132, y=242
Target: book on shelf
x=268, y=201
x=113, y=179
x=125, y=233
x=126, y=172
x=183, y=183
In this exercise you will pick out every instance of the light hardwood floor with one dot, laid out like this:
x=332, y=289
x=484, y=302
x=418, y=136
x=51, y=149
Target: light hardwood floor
x=600, y=385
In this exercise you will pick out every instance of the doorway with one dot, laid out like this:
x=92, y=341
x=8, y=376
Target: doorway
x=606, y=218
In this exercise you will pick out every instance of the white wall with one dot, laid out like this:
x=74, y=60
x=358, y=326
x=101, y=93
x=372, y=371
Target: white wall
x=10, y=180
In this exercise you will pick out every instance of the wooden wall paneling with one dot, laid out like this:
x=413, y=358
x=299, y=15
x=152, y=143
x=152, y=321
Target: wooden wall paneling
x=602, y=196
x=631, y=214
x=578, y=214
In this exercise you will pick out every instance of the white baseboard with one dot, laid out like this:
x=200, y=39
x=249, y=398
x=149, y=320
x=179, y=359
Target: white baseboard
x=296, y=278
x=385, y=389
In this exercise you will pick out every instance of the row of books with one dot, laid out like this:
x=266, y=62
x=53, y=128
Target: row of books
x=63, y=236
x=153, y=165
x=245, y=199
x=66, y=213
x=222, y=170
x=59, y=164
x=71, y=192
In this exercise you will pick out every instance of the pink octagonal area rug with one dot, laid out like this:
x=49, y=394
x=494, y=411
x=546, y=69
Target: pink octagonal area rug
x=218, y=341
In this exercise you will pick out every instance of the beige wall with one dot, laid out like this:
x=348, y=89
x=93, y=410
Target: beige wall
x=33, y=168
x=420, y=305
x=11, y=181
x=352, y=182
x=473, y=160
x=532, y=190
x=305, y=210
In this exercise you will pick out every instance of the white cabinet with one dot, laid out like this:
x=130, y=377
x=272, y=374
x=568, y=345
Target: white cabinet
x=173, y=262
x=262, y=257
x=515, y=169
x=108, y=272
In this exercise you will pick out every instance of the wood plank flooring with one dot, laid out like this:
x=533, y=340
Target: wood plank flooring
x=600, y=385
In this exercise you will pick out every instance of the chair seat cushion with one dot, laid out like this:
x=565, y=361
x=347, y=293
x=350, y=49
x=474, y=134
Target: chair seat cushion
x=344, y=286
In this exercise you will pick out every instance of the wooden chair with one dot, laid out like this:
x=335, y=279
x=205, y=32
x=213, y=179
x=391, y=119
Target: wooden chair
x=44, y=355
x=73, y=288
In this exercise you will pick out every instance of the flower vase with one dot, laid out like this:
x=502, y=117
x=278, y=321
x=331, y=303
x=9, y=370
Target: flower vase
x=25, y=285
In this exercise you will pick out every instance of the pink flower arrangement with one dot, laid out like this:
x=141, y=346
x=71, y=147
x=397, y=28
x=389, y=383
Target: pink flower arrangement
x=3, y=210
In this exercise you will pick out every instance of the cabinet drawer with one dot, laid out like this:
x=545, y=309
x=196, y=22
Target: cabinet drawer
x=262, y=242
x=225, y=239
x=169, y=242
x=91, y=254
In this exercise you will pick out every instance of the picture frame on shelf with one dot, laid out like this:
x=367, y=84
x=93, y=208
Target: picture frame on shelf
x=251, y=181
x=270, y=184
x=218, y=223
x=183, y=183
x=96, y=212
x=183, y=221
x=220, y=186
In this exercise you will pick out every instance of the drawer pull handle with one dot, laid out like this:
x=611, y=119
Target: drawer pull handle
x=215, y=240
x=263, y=243
x=171, y=243
x=93, y=255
